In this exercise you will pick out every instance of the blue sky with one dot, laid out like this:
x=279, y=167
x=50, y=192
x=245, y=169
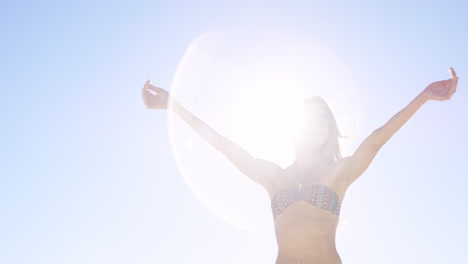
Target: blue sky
x=89, y=175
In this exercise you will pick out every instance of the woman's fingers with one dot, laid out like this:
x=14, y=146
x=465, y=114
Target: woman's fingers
x=154, y=88
x=145, y=94
x=454, y=79
x=147, y=84
x=452, y=73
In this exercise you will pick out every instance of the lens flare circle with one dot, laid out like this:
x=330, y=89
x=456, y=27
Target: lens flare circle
x=245, y=86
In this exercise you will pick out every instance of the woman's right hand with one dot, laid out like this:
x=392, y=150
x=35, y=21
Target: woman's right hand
x=154, y=101
x=442, y=90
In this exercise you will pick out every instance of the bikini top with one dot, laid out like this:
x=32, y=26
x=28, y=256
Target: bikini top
x=318, y=195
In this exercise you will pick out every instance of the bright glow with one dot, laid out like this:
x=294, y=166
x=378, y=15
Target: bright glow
x=246, y=86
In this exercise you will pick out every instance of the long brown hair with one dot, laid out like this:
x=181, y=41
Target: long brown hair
x=331, y=149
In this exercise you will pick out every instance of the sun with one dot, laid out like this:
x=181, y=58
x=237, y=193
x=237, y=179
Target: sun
x=266, y=123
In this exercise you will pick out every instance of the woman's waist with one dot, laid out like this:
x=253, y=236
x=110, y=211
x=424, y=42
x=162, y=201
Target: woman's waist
x=307, y=246
x=311, y=256
x=305, y=228
x=308, y=241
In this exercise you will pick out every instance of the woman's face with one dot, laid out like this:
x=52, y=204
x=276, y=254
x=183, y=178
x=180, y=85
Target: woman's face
x=312, y=125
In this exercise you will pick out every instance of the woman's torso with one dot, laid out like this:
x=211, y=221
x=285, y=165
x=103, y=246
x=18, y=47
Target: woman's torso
x=305, y=232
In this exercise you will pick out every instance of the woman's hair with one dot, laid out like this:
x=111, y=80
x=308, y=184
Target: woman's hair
x=331, y=149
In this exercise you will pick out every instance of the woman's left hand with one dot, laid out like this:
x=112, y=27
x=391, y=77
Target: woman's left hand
x=442, y=90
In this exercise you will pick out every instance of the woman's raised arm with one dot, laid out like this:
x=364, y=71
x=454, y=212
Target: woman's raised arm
x=357, y=164
x=259, y=170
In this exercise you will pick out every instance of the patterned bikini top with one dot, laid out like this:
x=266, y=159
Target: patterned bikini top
x=318, y=195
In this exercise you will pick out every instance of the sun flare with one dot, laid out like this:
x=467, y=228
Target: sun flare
x=247, y=87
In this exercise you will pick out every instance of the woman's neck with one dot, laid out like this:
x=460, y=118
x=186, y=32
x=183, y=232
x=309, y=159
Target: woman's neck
x=307, y=160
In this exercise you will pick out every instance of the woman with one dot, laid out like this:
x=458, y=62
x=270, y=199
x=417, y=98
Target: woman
x=306, y=196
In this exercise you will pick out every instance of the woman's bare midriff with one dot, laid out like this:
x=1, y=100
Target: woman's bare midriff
x=306, y=234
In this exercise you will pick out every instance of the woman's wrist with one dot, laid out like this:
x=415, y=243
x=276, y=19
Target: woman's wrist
x=422, y=98
x=172, y=104
x=183, y=113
